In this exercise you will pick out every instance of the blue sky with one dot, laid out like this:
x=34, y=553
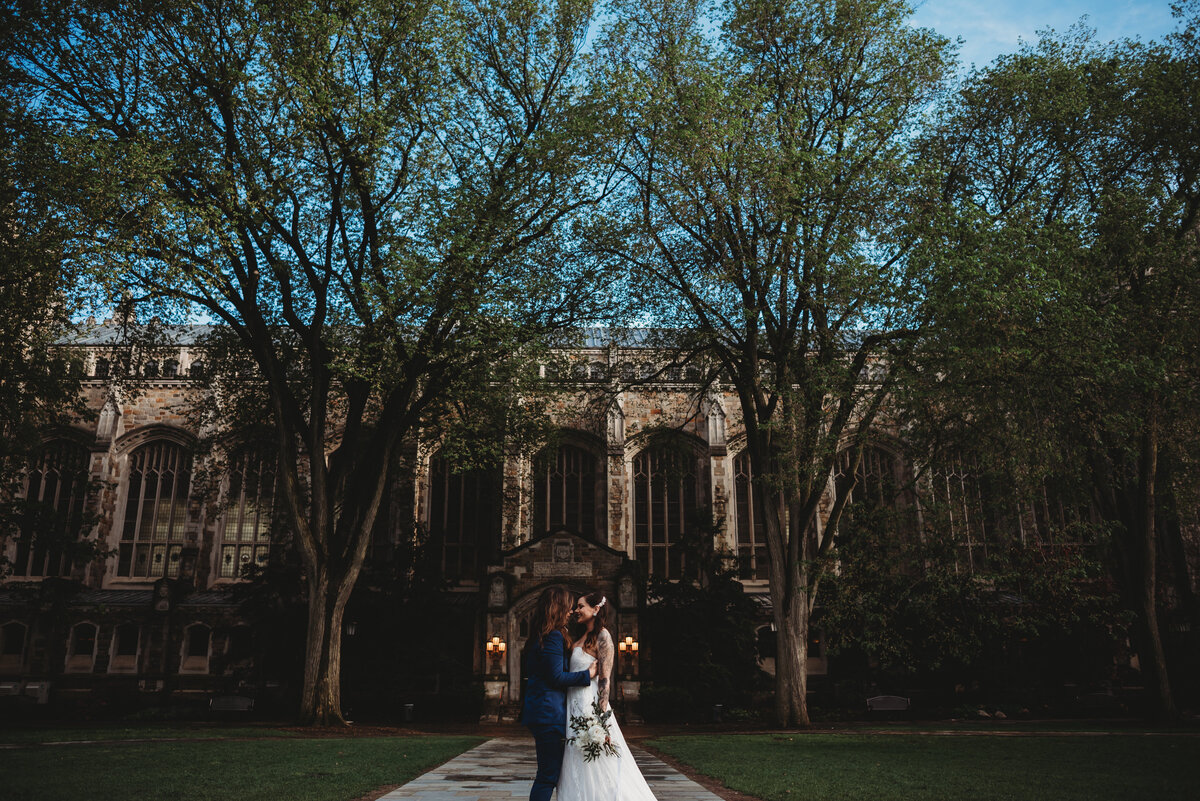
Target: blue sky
x=991, y=27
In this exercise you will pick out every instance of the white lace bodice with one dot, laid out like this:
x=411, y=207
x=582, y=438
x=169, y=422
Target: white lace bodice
x=581, y=659
x=580, y=699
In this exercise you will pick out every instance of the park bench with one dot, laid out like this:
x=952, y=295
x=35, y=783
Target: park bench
x=888, y=703
x=231, y=703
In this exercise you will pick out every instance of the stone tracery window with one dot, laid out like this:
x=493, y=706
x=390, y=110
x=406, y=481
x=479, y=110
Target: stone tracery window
x=250, y=497
x=55, y=490
x=666, y=489
x=958, y=504
x=152, y=535
x=464, y=517
x=879, y=487
x=876, y=474
x=751, y=525
x=568, y=491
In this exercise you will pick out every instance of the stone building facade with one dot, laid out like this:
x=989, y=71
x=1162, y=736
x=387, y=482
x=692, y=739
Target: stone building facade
x=602, y=506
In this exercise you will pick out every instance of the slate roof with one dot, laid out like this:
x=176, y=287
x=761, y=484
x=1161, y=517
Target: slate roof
x=592, y=337
x=108, y=334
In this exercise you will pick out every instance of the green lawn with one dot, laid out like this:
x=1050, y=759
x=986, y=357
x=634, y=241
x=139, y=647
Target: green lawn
x=27, y=736
x=898, y=767
x=300, y=769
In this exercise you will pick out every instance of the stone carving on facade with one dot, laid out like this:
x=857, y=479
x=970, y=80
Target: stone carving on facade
x=714, y=409
x=110, y=417
x=562, y=562
x=616, y=427
x=626, y=593
x=564, y=551
x=497, y=592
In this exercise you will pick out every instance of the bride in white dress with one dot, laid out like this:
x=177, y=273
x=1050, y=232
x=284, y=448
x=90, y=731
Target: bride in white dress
x=608, y=777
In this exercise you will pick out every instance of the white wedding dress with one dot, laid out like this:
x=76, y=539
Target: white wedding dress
x=606, y=778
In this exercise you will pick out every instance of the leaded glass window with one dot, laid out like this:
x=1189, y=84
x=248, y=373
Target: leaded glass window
x=751, y=524
x=246, y=539
x=879, y=491
x=876, y=485
x=464, y=517
x=54, y=496
x=567, y=490
x=958, y=507
x=666, y=489
x=152, y=535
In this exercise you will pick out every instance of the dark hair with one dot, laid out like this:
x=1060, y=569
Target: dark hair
x=600, y=622
x=550, y=614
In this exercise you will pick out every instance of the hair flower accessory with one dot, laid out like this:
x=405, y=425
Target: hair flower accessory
x=603, y=601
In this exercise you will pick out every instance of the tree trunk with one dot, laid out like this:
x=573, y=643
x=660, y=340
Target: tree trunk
x=321, y=702
x=791, y=661
x=1153, y=656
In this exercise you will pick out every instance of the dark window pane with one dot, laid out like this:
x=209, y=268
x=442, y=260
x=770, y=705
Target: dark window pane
x=54, y=498
x=565, y=487
x=155, y=509
x=666, y=488
x=13, y=636
x=83, y=643
x=127, y=639
x=464, y=517
x=197, y=641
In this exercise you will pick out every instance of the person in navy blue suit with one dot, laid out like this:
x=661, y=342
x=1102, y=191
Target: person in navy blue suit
x=544, y=708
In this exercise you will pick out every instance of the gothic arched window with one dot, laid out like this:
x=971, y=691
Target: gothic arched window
x=197, y=645
x=155, y=511
x=464, y=517
x=957, y=505
x=751, y=525
x=666, y=488
x=81, y=649
x=249, y=513
x=568, y=491
x=879, y=489
x=54, y=496
x=12, y=646
x=877, y=474
x=123, y=653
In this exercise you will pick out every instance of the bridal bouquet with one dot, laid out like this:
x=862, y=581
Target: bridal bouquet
x=589, y=733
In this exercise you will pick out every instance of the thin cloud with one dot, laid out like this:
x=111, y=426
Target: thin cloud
x=989, y=29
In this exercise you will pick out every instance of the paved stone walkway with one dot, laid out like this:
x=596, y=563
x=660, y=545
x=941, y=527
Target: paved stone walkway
x=502, y=770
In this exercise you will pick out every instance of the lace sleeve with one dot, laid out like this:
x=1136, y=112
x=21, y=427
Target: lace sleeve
x=604, y=656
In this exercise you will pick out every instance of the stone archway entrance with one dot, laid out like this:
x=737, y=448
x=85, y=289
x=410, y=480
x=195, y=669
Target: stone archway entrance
x=562, y=559
x=517, y=625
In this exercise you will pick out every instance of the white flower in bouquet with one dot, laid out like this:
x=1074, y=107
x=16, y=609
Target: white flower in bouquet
x=590, y=733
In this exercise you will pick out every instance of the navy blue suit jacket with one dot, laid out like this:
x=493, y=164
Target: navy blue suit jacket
x=547, y=680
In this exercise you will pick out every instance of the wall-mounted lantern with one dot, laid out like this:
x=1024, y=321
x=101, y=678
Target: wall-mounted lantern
x=496, y=648
x=629, y=649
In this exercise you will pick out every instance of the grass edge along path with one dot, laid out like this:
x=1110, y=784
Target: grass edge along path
x=892, y=767
x=296, y=769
